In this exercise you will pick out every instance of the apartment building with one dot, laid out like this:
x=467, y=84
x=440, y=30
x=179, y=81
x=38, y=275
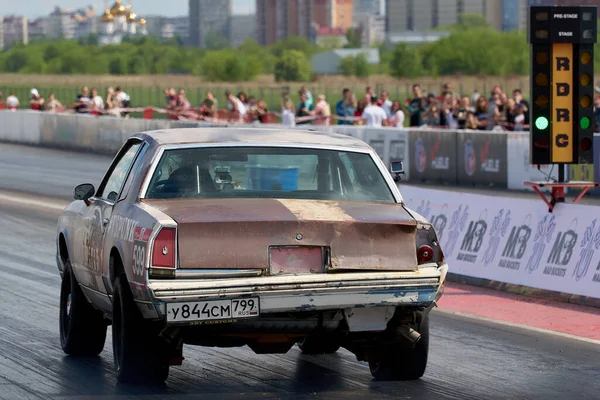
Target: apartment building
x=207, y=16
x=278, y=19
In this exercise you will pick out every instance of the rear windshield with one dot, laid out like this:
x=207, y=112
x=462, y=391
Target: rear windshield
x=252, y=172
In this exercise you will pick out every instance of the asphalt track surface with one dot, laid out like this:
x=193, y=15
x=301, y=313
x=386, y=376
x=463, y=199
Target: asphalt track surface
x=469, y=359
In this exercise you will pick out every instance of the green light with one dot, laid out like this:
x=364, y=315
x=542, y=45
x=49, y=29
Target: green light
x=541, y=123
x=584, y=123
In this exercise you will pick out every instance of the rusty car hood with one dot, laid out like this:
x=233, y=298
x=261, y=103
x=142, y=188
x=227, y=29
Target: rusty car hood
x=237, y=233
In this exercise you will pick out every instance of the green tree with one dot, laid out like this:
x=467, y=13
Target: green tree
x=406, y=62
x=216, y=41
x=299, y=43
x=292, y=66
x=348, y=66
x=354, y=38
x=361, y=66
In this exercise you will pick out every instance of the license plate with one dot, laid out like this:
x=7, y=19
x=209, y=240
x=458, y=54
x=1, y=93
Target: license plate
x=213, y=310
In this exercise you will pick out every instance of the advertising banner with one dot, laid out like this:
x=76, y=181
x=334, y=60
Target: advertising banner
x=390, y=145
x=519, y=169
x=482, y=158
x=596, y=192
x=515, y=241
x=433, y=156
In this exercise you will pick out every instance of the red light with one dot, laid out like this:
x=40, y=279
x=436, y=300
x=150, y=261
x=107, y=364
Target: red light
x=424, y=254
x=541, y=144
x=163, y=251
x=585, y=144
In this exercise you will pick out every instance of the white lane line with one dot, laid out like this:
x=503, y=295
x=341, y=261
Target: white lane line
x=30, y=202
x=520, y=326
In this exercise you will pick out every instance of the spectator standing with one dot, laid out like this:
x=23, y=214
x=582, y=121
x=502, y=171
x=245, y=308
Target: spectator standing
x=481, y=113
x=304, y=109
x=447, y=90
x=373, y=115
x=235, y=106
x=309, y=97
x=462, y=113
x=416, y=107
x=287, y=111
x=387, y=103
x=208, y=106
x=397, y=118
x=521, y=102
x=345, y=108
x=475, y=96
x=37, y=101
x=53, y=105
x=360, y=109
x=123, y=99
x=82, y=102
x=322, y=111
x=112, y=105
x=96, y=101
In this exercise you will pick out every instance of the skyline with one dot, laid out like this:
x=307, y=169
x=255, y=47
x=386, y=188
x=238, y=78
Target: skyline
x=38, y=8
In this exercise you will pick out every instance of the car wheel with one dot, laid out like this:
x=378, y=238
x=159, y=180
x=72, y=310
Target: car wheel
x=318, y=345
x=401, y=363
x=82, y=327
x=139, y=353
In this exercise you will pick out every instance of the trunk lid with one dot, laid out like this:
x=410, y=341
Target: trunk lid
x=240, y=233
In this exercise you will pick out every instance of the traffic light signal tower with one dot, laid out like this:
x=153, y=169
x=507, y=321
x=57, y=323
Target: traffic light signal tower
x=562, y=93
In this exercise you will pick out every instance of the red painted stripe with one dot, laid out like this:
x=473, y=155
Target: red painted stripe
x=552, y=315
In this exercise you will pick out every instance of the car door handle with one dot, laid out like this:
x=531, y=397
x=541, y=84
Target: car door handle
x=105, y=221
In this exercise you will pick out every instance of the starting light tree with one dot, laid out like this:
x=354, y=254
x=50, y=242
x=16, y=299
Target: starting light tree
x=562, y=91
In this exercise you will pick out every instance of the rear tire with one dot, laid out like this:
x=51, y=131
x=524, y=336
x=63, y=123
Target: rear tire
x=401, y=363
x=140, y=355
x=82, y=327
x=318, y=345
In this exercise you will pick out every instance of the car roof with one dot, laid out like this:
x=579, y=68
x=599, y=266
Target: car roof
x=258, y=136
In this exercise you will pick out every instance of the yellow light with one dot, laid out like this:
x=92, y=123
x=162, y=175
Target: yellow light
x=586, y=101
x=586, y=58
x=541, y=79
x=585, y=80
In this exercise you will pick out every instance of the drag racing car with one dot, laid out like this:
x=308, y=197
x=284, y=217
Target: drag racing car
x=264, y=238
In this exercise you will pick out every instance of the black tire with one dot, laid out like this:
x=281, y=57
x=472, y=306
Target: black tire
x=318, y=345
x=82, y=327
x=140, y=355
x=401, y=363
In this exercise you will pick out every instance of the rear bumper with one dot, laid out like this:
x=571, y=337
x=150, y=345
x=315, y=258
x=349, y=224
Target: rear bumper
x=311, y=292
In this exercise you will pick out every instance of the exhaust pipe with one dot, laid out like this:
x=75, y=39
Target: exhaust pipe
x=409, y=334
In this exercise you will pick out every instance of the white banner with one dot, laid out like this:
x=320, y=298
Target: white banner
x=518, y=167
x=515, y=241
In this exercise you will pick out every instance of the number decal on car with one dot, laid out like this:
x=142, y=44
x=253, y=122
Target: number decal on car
x=139, y=258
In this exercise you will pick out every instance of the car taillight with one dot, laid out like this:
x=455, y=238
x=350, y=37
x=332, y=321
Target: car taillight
x=424, y=254
x=163, y=251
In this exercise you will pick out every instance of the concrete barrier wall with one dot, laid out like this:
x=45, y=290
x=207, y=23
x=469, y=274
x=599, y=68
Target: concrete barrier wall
x=505, y=243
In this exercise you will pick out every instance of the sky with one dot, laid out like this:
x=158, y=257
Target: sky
x=38, y=8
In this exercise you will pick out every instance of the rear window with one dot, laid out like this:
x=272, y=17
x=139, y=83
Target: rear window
x=252, y=172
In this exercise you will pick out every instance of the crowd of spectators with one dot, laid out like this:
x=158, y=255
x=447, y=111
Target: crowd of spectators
x=499, y=110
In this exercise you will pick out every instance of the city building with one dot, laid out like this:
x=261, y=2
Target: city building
x=333, y=13
x=371, y=27
x=328, y=62
x=208, y=16
x=423, y=15
x=15, y=30
x=1, y=33
x=242, y=28
x=372, y=7
x=168, y=27
x=330, y=37
x=277, y=19
x=36, y=29
x=119, y=22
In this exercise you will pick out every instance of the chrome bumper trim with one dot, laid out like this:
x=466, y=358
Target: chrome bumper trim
x=427, y=279
x=216, y=273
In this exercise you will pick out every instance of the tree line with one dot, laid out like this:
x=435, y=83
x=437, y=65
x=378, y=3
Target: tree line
x=472, y=48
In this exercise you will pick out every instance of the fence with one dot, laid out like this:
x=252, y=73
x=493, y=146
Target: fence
x=146, y=96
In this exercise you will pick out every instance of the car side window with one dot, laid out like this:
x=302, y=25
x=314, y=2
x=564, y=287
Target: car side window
x=137, y=163
x=114, y=183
